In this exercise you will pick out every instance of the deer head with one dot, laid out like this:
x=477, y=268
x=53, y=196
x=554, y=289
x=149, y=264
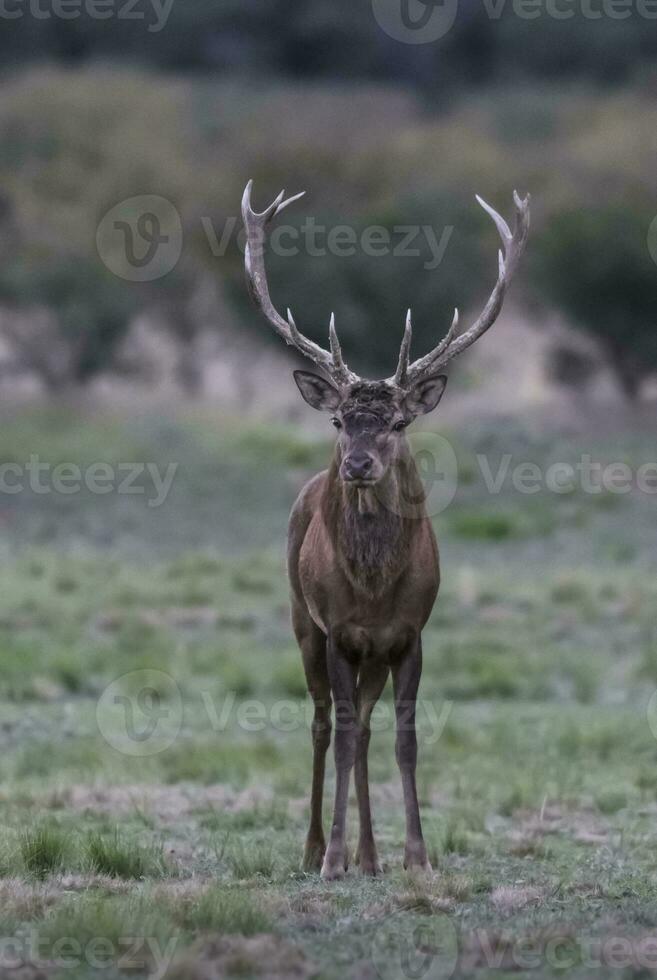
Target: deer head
x=371, y=415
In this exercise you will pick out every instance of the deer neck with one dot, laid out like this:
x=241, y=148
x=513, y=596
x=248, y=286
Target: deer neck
x=371, y=527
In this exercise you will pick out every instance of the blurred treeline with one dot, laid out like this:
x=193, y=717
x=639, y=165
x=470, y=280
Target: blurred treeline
x=315, y=96
x=488, y=42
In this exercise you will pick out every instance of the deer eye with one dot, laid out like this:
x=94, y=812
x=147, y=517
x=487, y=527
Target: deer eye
x=337, y=423
x=398, y=426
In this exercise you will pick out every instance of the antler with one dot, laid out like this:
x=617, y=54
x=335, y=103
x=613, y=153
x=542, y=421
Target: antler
x=256, y=276
x=513, y=244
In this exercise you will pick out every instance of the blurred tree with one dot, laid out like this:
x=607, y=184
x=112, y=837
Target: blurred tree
x=79, y=311
x=340, y=39
x=595, y=265
x=184, y=307
x=571, y=367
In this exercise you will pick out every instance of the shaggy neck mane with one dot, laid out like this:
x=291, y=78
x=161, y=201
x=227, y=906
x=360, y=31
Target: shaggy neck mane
x=372, y=527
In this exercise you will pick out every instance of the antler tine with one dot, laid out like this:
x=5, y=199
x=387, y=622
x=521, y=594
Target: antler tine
x=449, y=336
x=513, y=244
x=336, y=350
x=275, y=208
x=403, y=375
x=404, y=353
x=254, y=263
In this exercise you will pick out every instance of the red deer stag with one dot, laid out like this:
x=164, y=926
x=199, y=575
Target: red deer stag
x=362, y=556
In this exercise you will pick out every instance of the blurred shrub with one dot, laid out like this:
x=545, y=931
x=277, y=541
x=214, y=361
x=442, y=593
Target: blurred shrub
x=594, y=264
x=90, y=309
x=73, y=144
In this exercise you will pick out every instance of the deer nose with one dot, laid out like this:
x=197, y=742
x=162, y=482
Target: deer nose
x=358, y=467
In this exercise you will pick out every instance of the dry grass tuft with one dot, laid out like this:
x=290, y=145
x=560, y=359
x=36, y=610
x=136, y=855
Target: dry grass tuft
x=263, y=955
x=508, y=898
x=26, y=901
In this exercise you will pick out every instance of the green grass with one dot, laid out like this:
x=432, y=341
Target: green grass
x=214, y=762
x=221, y=910
x=272, y=815
x=537, y=760
x=252, y=860
x=43, y=848
x=120, y=858
x=485, y=527
x=100, y=933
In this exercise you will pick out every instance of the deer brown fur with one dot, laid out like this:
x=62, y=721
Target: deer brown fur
x=364, y=578
x=362, y=555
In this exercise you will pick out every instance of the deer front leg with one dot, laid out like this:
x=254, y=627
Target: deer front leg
x=406, y=680
x=371, y=681
x=313, y=650
x=342, y=675
x=321, y=736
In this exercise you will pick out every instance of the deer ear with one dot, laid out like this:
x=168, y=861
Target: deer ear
x=319, y=394
x=425, y=395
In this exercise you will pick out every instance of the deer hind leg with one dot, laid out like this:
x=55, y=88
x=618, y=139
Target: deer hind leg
x=406, y=680
x=342, y=673
x=313, y=650
x=371, y=681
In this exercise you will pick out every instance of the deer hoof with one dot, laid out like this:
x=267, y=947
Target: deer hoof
x=335, y=866
x=313, y=855
x=418, y=866
x=370, y=868
x=333, y=872
x=415, y=859
x=368, y=863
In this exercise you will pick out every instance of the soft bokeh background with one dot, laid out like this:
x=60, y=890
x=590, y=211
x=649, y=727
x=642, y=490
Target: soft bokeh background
x=378, y=132
x=539, y=796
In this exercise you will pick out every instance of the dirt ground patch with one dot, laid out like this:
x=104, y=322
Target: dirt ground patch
x=166, y=804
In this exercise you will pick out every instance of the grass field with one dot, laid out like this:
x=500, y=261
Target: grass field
x=155, y=741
